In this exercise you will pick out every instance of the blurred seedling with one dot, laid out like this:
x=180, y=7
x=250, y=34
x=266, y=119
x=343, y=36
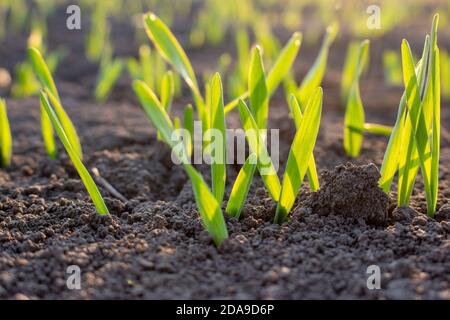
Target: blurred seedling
x=354, y=123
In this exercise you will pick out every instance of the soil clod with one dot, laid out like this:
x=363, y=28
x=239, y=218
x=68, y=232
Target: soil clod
x=351, y=191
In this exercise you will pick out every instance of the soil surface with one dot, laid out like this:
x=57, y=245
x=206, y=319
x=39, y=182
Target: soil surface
x=351, y=191
x=153, y=245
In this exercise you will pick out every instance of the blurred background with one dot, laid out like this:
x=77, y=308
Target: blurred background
x=217, y=36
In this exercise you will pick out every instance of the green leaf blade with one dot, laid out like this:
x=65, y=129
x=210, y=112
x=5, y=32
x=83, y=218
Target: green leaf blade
x=354, y=113
x=154, y=110
x=314, y=77
x=313, y=178
x=218, y=166
x=278, y=72
x=436, y=116
x=376, y=128
x=45, y=77
x=171, y=50
x=391, y=157
x=66, y=123
x=283, y=62
x=349, y=70
x=5, y=136
x=241, y=187
x=257, y=88
x=207, y=205
x=300, y=155
x=436, y=125
x=188, y=124
x=107, y=79
x=256, y=143
x=417, y=117
x=42, y=71
x=167, y=90
x=88, y=182
x=401, y=153
x=47, y=133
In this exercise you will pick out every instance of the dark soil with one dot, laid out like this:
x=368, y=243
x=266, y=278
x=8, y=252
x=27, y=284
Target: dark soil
x=154, y=246
x=351, y=191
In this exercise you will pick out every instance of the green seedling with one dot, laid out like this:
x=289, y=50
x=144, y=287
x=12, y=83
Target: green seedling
x=188, y=124
x=151, y=69
x=142, y=69
x=300, y=155
x=109, y=73
x=256, y=142
x=167, y=90
x=210, y=24
x=241, y=187
x=5, y=136
x=208, y=207
x=172, y=52
x=283, y=63
x=415, y=140
x=177, y=122
x=98, y=36
x=170, y=49
x=392, y=68
x=218, y=165
x=419, y=111
x=25, y=82
x=45, y=77
x=145, y=58
x=354, y=114
x=279, y=70
x=224, y=63
x=398, y=141
x=299, y=162
x=297, y=113
x=258, y=92
x=206, y=122
x=88, y=182
x=355, y=125
x=349, y=70
x=37, y=34
x=314, y=77
x=253, y=120
x=166, y=96
x=265, y=37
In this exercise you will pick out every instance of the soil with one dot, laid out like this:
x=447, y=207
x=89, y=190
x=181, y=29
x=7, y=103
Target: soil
x=351, y=191
x=153, y=245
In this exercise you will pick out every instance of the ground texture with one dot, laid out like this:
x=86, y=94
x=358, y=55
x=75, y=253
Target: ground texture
x=153, y=245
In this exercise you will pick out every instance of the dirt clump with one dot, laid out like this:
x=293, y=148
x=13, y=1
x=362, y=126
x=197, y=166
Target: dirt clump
x=351, y=191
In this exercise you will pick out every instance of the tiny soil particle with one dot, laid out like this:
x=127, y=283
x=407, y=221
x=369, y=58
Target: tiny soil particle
x=351, y=191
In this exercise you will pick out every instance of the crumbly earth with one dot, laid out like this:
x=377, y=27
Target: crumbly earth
x=351, y=191
x=153, y=245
